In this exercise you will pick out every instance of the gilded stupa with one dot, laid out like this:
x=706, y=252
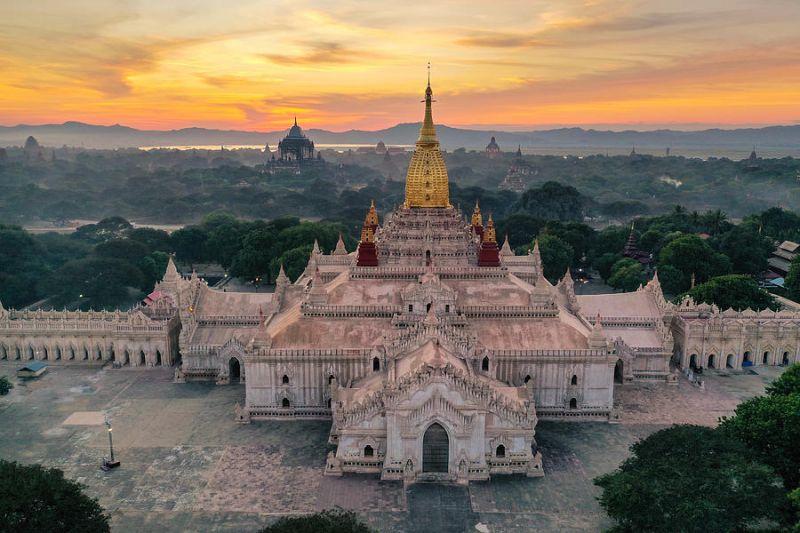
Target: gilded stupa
x=426, y=182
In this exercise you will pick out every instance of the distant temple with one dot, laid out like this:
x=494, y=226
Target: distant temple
x=296, y=146
x=519, y=169
x=753, y=162
x=493, y=149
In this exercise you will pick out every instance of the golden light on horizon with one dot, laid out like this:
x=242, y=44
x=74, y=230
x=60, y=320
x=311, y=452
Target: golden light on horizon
x=255, y=65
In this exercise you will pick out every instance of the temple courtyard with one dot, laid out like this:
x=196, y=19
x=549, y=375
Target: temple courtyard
x=188, y=466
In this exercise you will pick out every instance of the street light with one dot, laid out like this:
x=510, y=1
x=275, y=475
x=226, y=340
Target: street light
x=112, y=463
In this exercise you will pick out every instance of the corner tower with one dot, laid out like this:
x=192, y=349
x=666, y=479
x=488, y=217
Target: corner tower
x=426, y=182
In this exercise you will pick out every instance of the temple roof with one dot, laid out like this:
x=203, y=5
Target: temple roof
x=295, y=132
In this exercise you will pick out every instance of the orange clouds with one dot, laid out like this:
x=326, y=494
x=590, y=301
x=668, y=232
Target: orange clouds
x=254, y=64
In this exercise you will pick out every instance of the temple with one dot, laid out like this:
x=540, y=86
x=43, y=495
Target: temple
x=433, y=351
x=296, y=146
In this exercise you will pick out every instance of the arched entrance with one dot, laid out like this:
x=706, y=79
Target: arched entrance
x=747, y=360
x=234, y=370
x=435, y=449
x=710, y=361
x=729, y=362
x=765, y=359
x=619, y=371
x=693, y=361
x=141, y=358
x=785, y=358
x=158, y=358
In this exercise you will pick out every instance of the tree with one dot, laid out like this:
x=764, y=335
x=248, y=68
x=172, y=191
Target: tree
x=792, y=281
x=5, y=385
x=328, y=521
x=520, y=228
x=41, y=499
x=556, y=256
x=787, y=383
x=224, y=242
x=605, y=262
x=626, y=274
x=154, y=239
x=733, y=291
x=552, y=201
x=656, y=488
x=108, y=228
x=253, y=259
x=770, y=427
x=672, y=280
x=125, y=249
x=294, y=262
x=747, y=250
x=98, y=282
x=189, y=243
x=691, y=255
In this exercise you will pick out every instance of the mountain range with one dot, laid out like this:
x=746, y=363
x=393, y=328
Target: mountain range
x=782, y=139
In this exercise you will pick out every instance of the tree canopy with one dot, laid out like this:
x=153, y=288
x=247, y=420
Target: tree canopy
x=689, y=478
x=733, y=291
x=328, y=521
x=36, y=499
x=556, y=256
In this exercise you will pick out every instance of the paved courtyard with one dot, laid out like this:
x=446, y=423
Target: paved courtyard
x=187, y=466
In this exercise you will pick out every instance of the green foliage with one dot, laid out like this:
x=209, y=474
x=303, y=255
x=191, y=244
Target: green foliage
x=605, y=262
x=294, y=262
x=154, y=239
x=125, y=249
x=520, y=228
x=5, y=386
x=770, y=427
x=99, y=282
x=733, y=291
x=553, y=201
x=792, y=281
x=747, y=249
x=690, y=255
x=189, y=243
x=106, y=229
x=656, y=488
x=36, y=499
x=787, y=383
x=556, y=256
x=672, y=280
x=626, y=275
x=328, y=521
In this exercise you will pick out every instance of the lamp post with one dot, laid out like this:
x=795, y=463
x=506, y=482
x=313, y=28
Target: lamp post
x=109, y=464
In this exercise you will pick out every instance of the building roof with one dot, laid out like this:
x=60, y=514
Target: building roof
x=33, y=366
x=789, y=246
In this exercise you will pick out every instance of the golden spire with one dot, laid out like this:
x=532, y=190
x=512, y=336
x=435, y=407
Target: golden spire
x=367, y=234
x=372, y=216
x=427, y=183
x=477, y=218
x=489, y=234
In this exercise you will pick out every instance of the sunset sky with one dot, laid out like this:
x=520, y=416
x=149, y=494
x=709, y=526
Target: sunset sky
x=247, y=64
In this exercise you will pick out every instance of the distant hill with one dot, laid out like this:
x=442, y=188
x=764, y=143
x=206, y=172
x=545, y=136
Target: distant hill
x=778, y=138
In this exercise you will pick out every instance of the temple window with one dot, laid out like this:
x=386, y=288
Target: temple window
x=410, y=308
x=286, y=403
x=285, y=379
x=573, y=403
x=447, y=308
x=330, y=379
x=574, y=380
x=376, y=364
x=485, y=364
x=501, y=451
x=527, y=378
x=368, y=451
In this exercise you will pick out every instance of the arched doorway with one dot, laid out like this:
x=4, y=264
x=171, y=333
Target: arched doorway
x=619, y=370
x=729, y=362
x=693, y=361
x=485, y=364
x=234, y=370
x=573, y=403
x=527, y=378
x=435, y=449
x=747, y=360
x=141, y=358
x=376, y=364
x=158, y=358
x=785, y=358
x=710, y=361
x=500, y=451
x=765, y=359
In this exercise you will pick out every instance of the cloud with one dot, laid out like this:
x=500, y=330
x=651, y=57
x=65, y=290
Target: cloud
x=321, y=53
x=494, y=39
